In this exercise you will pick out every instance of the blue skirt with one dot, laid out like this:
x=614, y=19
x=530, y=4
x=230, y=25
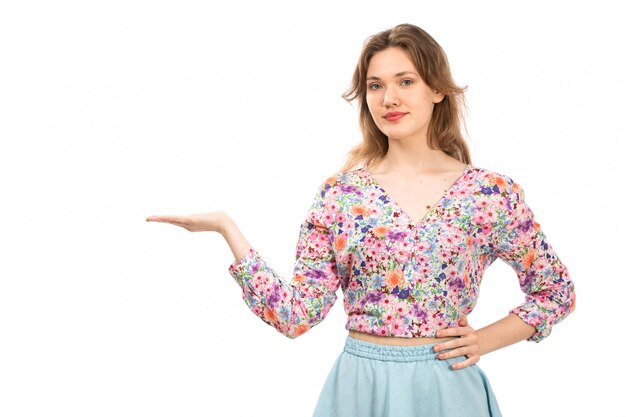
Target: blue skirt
x=373, y=380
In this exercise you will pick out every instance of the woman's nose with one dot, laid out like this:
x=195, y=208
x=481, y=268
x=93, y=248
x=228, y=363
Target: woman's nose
x=391, y=98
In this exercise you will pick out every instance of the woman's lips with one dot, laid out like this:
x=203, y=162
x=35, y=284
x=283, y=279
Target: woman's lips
x=393, y=116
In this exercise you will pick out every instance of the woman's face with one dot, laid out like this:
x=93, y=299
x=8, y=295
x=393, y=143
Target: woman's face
x=400, y=103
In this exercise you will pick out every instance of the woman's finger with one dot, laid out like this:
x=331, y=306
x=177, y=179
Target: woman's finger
x=179, y=220
x=159, y=218
x=199, y=222
x=455, y=331
x=449, y=344
x=461, y=351
x=472, y=360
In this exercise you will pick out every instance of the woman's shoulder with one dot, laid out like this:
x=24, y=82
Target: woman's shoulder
x=485, y=174
x=494, y=181
x=354, y=177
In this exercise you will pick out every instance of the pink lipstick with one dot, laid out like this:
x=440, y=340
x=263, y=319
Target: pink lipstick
x=393, y=116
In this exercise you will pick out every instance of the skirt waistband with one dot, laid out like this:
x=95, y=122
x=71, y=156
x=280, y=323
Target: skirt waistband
x=390, y=353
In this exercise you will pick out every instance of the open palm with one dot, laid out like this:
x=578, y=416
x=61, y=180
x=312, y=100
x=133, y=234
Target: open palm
x=199, y=222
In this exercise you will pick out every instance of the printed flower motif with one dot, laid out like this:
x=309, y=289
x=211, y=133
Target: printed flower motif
x=382, y=331
x=301, y=329
x=483, y=201
x=486, y=190
x=397, y=325
x=490, y=214
x=445, y=202
x=479, y=217
x=360, y=210
x=270, y=315
x=528, y=259
x=380, y=231
x=497, y=180
x=377, y=282
x=340, y=243
x=394, y=277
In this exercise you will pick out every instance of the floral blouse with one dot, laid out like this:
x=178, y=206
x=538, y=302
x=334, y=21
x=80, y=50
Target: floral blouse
x=406, y=279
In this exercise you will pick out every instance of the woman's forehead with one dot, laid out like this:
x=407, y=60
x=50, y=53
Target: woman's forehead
x=390, y=62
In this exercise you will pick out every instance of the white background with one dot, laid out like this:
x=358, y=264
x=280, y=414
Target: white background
x=112, y=111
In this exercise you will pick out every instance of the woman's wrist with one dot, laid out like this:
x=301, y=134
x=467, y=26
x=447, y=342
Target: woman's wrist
x=237, y=242
x=507, y=331
x=225, y=223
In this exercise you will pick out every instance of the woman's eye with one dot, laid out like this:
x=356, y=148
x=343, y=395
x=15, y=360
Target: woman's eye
x=375, y=86
x=406, y=82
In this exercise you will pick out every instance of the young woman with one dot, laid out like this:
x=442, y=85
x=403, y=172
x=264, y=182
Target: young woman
x=407, y=236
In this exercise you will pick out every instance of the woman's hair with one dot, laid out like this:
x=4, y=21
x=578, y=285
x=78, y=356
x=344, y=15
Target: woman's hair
x=431, y=62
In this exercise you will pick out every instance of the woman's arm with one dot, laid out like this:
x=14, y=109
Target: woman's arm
x=550, y=297
x=507, y=331
x=291, y=306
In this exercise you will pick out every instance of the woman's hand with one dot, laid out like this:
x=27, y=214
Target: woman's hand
x=201, y=222
x=465, y=344
x=215, y=221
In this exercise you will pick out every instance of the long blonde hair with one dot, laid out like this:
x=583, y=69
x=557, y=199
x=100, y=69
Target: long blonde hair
x=431, y=62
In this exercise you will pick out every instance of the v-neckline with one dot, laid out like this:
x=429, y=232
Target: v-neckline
x=401, y=210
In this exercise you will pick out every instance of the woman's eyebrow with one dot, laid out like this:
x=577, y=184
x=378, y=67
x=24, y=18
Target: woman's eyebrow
x=400, y=74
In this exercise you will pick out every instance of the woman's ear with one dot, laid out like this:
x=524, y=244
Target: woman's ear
x=438, y=97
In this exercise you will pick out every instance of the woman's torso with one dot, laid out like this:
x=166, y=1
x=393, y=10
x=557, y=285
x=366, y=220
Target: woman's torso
x=401, y=277
x=416, y=197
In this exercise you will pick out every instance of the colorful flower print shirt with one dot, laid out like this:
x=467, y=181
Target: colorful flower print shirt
x=404, y=279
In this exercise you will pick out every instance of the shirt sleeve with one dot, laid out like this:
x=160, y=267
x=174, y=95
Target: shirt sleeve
x=543, y=277
x=294, y=307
